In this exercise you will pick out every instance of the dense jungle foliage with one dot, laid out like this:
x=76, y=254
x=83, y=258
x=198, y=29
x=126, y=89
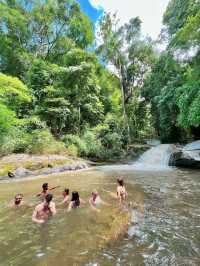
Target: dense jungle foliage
x=57, y=93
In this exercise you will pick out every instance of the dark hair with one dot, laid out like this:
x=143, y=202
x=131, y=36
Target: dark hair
x=66, y=190
x=75, y=198
x=49, y=198
x=17, y=195
x=120, y=181
x=45, y=186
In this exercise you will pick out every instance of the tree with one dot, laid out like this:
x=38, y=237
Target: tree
x=46, y=29
x=7, y=120
x=14, y=94
x=67, y=98
x=160, y=91
x=131, y=57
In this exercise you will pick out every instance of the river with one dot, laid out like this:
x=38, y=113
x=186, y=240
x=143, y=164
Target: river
x=164, y=230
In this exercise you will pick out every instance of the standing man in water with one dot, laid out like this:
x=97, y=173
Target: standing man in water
x=44, y=210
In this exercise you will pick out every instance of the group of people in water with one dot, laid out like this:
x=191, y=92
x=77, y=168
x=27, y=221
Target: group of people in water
x=47, y=207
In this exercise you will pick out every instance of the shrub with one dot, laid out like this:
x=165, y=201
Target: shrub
x=92, y=144
x=75, y=141
x=72, y=150
x=13, y=92
x=42, y=142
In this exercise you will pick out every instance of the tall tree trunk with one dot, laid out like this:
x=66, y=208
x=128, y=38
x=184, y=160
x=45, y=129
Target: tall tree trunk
x=123, y=89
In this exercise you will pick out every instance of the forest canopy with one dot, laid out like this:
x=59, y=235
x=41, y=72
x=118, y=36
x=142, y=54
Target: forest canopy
x=57, y=93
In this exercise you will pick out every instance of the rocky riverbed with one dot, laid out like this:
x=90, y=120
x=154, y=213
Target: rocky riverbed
x=24, y=165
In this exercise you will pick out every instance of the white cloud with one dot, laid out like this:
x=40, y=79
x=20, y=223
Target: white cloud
x=149, y=11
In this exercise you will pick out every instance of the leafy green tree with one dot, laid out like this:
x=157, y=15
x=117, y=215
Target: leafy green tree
x=131, y=56
x=14, y=94
x=188, y=99
x=46, y=29
x=160, y=91
x=7, y=120
x=67, y=98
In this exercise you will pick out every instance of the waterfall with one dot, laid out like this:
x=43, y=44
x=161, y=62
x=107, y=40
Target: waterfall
x=157, y=158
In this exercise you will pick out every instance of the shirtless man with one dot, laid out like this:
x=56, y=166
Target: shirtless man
x=45, y=190
x=18, y=201
x=44, y=210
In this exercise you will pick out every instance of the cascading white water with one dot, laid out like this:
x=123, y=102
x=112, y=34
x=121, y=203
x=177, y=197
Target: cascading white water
x=157, y=158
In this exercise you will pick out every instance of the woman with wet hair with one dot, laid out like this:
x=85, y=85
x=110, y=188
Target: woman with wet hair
x=75, y=202
x=121, y=190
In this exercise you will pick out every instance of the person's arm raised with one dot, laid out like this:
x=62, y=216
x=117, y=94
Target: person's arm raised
x=52, y=188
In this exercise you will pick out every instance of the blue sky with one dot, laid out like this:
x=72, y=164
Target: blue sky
x=149, y=11
x=93, y=13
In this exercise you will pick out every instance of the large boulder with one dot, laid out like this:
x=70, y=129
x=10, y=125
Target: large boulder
x=188, y=156
x=63, y=168
x=22, y=172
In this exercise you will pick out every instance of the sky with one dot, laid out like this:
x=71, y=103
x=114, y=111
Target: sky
x=149, y=11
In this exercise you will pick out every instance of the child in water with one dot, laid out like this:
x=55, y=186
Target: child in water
x=121, y=190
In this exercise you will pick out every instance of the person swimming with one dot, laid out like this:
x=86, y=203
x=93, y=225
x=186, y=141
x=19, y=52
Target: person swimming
x=75, y=202
x=95, y=201
x=44, y=210
x=121, y=190
x=18, y=200
x=65, y=196
x=45, y=190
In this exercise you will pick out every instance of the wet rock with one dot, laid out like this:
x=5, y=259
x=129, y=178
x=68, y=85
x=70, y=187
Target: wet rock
x=63, y=168
x=21, y=172
x=46, y=171
x=187, y=157
x=10, y=174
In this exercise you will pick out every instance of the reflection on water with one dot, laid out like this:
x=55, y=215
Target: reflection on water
x=163, y=231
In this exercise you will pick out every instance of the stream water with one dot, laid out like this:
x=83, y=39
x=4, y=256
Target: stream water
x=165, y=230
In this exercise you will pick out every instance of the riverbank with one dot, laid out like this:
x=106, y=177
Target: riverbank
x=24, y=165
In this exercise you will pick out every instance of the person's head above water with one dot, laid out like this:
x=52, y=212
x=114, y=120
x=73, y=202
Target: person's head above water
x=95, y=193
x=120, y=181
x=48, y=198
x=65, y=192
x=18, y=199
x=75, y=198
x=45, y=186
